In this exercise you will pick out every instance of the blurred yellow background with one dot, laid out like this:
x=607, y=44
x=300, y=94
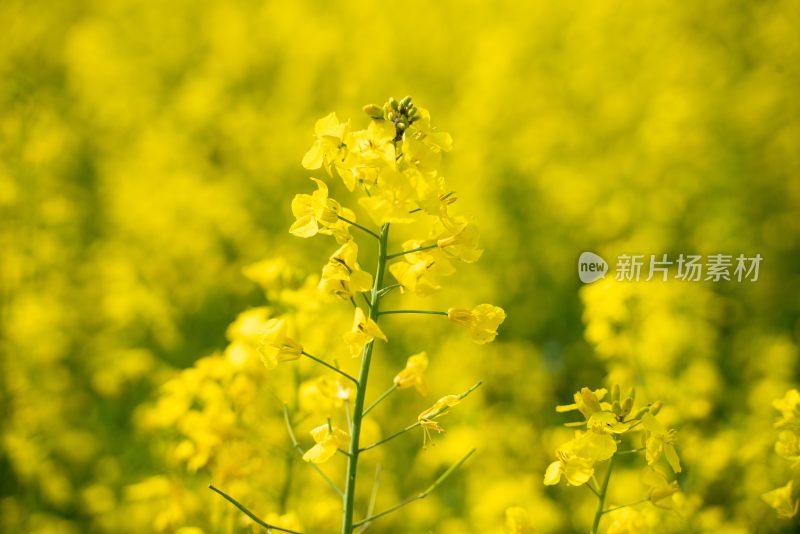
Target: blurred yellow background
x=149, y=151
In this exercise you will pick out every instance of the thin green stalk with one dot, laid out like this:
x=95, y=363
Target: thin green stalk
x=329, y=366
x=452, y=469
x=362, y=228
x=385, y=394
x=413, y=250
x=373, y=497
x=361, y=390
x=426, y=312
x=391, y=437
x=631, y=451
x=299, y=449
x=248, y=513
x=388, y=289
x=614, y=508
x=601, y=499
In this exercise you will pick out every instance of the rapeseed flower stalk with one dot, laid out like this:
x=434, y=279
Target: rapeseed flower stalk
x=606, y=423
x=393, y=168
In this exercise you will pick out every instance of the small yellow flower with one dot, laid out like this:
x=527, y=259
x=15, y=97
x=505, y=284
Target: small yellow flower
x=606, y=423
x=460, y=239
x=314, y=213
x=423, y=145
x=788, y=446
x=342, y=276
x=324, y=394
x=417, y=272
x=481, y=320
x=364, y=331
x=276, y=346
x=659, y=491
x=415, y=277
x=414, y=374
x=576, y=458
x=781, y=500
x=789, y=407
x=587, y=402
x=390, y=199
x=659, y=441
x=368, y=151
x=328, y=134
x=427, y=419
x=329, y=439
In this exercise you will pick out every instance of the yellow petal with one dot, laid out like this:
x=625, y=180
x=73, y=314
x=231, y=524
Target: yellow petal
x=305, y=226
x=553, y=474
x=314, y=157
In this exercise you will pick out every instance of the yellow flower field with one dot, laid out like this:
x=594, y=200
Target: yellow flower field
x=248, y=285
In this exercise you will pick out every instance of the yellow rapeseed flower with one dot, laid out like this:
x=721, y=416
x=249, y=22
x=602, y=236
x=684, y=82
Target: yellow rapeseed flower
x=323, y=394
x=427, y=419
x=314, y=213
x=781, y=500
x=587, y=402
x=328, y=440
x=460, y=239
x=659, y=490
x=659, y=441
x=342, y=276
x=329, y=134
x=414, y=374
x=481, y=320
x=276, y=346
x=364, y=331
x=576, y=458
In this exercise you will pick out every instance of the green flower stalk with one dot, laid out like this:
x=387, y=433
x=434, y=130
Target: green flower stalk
x=605, y=425
x=392, y=167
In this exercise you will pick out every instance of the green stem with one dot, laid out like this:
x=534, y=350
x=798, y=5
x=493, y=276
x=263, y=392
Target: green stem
x=426, y=312
x=248, y=513
x=361, y=390
x=413, y=250
x=601, y=499
x=331, y=367
x=362, y=228
x=379, y=399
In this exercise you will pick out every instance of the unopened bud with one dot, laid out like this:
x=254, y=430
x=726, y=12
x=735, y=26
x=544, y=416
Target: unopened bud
x=405, y=102
x=615, y=393
x=390, y=115
x=376, y=112
x=412, y=112
x=656, y=407
x=632, y=394
x=401, y=126
x=617, y=408
x=393, y=103
x=627, y=406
